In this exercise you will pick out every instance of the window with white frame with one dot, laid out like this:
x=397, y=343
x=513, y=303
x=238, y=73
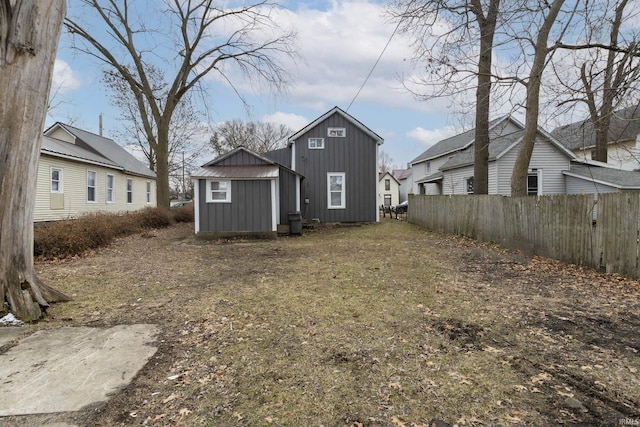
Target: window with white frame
x=148, y=192
x=111, y=182
x=387, y=185
x=129, y=190
x=336, y=190
x=337, y=132
x=56, y=180
x=218, y=191
x=316, y=143
x=387, y=200
x=92, y=178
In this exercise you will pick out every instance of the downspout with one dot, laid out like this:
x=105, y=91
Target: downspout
x=196, y=204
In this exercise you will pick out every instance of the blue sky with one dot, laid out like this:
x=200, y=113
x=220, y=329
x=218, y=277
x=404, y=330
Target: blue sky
x=338, y=42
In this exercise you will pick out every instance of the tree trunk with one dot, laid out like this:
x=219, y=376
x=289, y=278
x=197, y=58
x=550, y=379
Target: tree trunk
x=483, y=92
x=29, y=33
x=162, y=164
x=521, y=166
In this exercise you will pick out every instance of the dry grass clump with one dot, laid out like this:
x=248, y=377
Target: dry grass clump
x=184, y=213
x=64, y=239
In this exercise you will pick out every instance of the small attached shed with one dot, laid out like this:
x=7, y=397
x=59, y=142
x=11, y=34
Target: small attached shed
x=244, y=193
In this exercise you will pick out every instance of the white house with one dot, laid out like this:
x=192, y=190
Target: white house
x=81, y=172
x=389, y=190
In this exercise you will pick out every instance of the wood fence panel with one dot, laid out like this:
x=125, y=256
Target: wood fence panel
x=560, y=227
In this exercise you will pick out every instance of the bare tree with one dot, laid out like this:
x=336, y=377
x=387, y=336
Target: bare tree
x=256, y=136
x=541, y=52
x=205, y=38
x=385, y=162
x=29, y=33
x=468, y=21
x=607, y=77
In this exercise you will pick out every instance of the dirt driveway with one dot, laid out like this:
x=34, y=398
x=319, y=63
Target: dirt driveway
x=377, y=325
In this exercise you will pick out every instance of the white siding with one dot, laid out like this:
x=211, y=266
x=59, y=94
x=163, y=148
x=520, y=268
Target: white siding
x=624, y=155
x=545, y=157
x=455, y=181
x=74, y=176
x=582, y=186
x=394, y=190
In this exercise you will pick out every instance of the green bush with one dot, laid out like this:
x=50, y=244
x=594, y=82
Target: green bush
x=63, y=239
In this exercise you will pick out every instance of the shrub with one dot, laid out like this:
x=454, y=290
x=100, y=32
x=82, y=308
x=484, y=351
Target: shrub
x=63, y=239
x=183, y=213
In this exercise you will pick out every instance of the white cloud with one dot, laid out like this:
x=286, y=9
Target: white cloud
x=64, y=78
x=430, y=137
x=294, y=121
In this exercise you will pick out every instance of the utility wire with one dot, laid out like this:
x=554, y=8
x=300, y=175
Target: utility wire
x=376, y=64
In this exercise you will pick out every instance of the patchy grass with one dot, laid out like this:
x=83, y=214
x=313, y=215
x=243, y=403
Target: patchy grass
x=378, y=325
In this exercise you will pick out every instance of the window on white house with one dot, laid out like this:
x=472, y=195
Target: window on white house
x=91, y=186
x=129, y=190
x=387, y=185
x=111, y=188
x=218, y=191
x=387, y=200
x=336, y=190
x=469, y=185
x=56, y=181
x=316, y=143
x=533, y=186
x=337, y=132
x=148, y=192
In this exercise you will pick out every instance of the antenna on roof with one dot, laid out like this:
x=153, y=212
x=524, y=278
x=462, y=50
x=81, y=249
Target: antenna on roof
x=100, y=123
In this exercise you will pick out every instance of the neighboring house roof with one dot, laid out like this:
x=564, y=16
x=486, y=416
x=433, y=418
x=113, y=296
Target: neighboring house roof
x=344, y=114
x=106, y=148
x=55, y=147
x=438, y=176
x=625, y=125
x=617, y=178
x=401, y=174
x=382, y=176
x=458, y=142
x=498, y=146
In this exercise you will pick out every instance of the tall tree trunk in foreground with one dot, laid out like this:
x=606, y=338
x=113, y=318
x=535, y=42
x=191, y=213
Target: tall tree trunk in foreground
x=29, y=33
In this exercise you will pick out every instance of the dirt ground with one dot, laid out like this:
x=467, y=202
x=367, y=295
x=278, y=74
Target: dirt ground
x=376, y=325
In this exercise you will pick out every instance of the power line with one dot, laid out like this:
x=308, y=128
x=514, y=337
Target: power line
x=376, y=64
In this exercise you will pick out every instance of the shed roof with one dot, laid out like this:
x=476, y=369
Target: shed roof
x=438, y=176
x=238, y=172
x=401, y=174
x=625, y=125
x=618, y=178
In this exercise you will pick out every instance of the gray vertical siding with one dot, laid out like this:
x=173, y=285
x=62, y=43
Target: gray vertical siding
x=354, y=155
x=242, y=158
x=287, y=195
x=282, y=156
x=249, y=210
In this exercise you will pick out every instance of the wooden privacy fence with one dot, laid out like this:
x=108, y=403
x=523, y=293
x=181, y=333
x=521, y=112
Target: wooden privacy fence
x=566, y=228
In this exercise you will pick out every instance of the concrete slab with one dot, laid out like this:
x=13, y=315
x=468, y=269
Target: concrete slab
x=66, y=369
x=9, y=334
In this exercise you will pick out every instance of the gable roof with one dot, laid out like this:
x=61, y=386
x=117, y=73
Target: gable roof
x=625, y=125
x=382, y=175
x=347, y=116
x=617, y=178
x=268, y=170
x=460, y=141
x=62, y=149
x=106, y=148
x=401, y=174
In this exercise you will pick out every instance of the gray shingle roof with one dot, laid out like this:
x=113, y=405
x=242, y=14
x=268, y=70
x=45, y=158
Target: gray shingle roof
x=625, y=124
x=57, y=148
x=496, y=147
x=625, y=180
x=108, y=148
x=456, y=142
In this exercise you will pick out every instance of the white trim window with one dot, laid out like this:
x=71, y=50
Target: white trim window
x=337, y=132
x=469, y=185
x=533, y=183
x=336, y=197
x=129, y=191
x=92, y=178
x=148, y=192
x=218, y=191
x=111, y=184
x=316, y=143
x=56, y=181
